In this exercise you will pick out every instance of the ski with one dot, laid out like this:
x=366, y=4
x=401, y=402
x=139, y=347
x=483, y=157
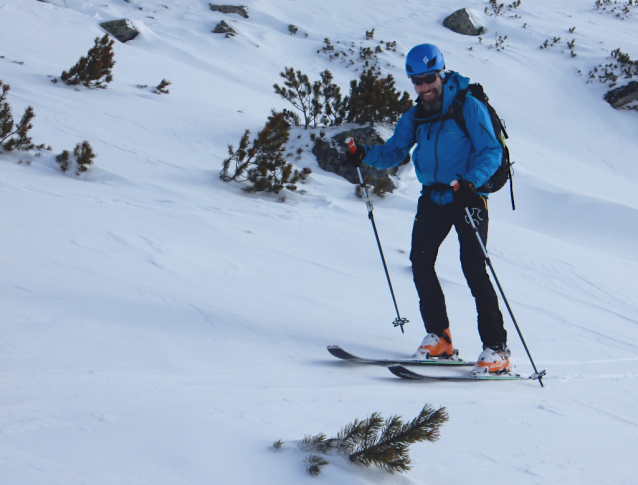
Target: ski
x=339, y=353
x=404, y=373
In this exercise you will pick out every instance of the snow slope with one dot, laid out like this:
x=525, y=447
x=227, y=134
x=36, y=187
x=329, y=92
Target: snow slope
x=161, y=327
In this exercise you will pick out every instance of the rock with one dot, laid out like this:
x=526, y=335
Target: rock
x=122, y=30
x=462, y=22
x=239, y=10
x=621, y=97
x=331, y=153
x=223, y=28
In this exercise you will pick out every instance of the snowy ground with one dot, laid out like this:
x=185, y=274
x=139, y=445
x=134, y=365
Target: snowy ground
x=162, y=327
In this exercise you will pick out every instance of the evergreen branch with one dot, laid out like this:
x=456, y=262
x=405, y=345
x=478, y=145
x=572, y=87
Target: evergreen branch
x=21, y=141
x=239, y=157
x=390, y=450
x=370, y=428
x=319, y=443
x=349, y=436
x=314, y=464
x=299, y=92
x=375, y=441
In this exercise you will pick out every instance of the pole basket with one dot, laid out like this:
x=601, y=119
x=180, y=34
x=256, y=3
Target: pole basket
x=399, y=322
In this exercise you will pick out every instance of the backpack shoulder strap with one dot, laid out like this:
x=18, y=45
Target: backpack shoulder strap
x=456, y=110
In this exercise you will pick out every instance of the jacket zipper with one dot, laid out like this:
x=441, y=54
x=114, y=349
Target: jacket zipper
x=436, y=150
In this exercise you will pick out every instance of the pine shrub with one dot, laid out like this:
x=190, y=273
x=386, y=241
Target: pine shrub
x=162, y=88
x=84, y=156
x=94, y=70
x=372, y=99
x=14, y=136
x=318, y=102
x=81, y=158
x=375, y=99
x=621, y=68
x=379, y=188
x=261, y=162
x=63, y=160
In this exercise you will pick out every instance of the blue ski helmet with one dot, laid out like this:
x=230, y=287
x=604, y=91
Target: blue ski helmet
x=423, y=59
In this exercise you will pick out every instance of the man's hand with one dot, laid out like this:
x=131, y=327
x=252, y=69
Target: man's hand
x=356, y=159
x=464, y=193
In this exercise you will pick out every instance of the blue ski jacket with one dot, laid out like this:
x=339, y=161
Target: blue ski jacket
x=443, y=151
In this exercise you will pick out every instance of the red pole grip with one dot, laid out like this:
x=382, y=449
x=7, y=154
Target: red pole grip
x=351, y=145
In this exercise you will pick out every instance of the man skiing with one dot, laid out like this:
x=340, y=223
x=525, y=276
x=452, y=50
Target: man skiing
x=445, y=152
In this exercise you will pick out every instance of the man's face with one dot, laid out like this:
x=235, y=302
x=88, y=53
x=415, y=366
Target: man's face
x=429, y=93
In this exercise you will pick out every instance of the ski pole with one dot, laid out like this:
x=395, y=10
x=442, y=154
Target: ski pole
x=398, y=322
x=537, y=375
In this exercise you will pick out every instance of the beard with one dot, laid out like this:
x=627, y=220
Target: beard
x=433, y=105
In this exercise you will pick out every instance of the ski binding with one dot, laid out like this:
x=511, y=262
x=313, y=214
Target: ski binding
x=339, y=353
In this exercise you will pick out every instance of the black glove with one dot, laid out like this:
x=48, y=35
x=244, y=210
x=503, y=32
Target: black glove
x=464, y=194
x=356, y=159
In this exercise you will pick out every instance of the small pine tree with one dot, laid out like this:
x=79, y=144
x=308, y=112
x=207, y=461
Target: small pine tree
x=14, y=136
x=373, y=99
x=262, y=163
x=94, y=70
x=162, y=88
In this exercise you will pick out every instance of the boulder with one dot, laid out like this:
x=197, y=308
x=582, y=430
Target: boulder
x=223, y=28
x=462, y=22
x=239, y=10
x=622, y=96
x=331, y=154
x=122, y=30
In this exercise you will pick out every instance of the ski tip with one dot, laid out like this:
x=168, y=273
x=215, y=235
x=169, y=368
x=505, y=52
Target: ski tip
x=400, y=371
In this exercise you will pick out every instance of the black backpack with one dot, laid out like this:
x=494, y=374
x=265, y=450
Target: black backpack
x=504, y=172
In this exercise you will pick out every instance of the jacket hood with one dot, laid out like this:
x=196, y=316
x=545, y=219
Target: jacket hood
x=452, y=84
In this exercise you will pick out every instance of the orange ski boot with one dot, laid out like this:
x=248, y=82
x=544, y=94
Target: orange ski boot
x=435, y=346
x=493, y=360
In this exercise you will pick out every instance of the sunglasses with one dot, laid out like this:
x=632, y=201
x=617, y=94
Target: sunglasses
x=427, y=79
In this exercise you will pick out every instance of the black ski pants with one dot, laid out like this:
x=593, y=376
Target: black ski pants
x=431, y=226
